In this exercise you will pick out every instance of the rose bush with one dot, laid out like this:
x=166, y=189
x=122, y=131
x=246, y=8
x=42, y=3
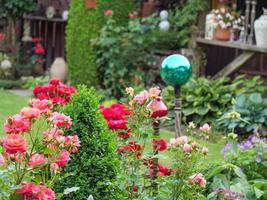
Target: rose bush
x=36, y=157
x=142, y=174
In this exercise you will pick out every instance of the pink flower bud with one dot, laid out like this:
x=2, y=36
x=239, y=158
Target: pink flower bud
x=187, y=148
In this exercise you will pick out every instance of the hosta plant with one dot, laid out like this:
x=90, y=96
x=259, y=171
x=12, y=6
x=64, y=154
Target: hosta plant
x=247, y=114
x=34, y=149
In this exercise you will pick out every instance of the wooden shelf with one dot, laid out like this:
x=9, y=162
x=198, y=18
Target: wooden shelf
x=234, y=45
x=41, y=18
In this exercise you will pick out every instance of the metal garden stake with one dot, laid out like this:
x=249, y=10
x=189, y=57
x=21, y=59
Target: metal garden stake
x=176, y=70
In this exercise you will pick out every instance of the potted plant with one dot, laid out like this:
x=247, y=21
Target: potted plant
x=224, y=21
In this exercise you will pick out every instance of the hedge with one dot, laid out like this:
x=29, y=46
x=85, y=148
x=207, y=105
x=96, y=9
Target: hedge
x=94, y=168
x=83, y=26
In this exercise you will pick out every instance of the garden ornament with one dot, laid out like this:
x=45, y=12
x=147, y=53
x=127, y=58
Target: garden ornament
x=50, y=12
x=176, y=71
x=27, y=32
x=59, y=70
x=6, y=64
x=260, y=27
x=164, y=24
x=65, y=15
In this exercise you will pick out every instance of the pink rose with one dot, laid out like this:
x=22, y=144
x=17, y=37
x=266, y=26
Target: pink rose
x=205, y=150
x=14, y=143
x=72, y=142
x=54, y=166
x=28, y=190
x=37, y=159
x=51, y=134
x=154, y=92
x=187, y=148
x=182, y=140
x=30, y=113
x=108, y=12
x=43, y=105
x=198, y=179
x=194, y=144
x=60, y=120
x=205, y=128
x=141, y=98
x=45, y=193
x=2, y=160
x=16, y=124
x=173, y=142
x=62, y=158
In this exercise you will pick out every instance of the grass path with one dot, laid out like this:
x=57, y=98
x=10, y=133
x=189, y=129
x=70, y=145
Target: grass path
x=10, y=104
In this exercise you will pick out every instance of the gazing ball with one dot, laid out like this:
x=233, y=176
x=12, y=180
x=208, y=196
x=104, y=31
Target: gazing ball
x=176, y=70
x=164, y=26
x=164, y=15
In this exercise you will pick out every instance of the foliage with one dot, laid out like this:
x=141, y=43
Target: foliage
x=183, y=18
x=16, y=8
x=32, y=83
x=248, y=183
x=93, y=169
x=204, y=100
x=84, y=25
x=10, y=84
x=32, y=159
x=6, y=184
x=114, y=64
x=247, y=114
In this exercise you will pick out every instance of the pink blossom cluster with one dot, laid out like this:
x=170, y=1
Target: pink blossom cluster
x=56, y=92
x=56, y=148
x=186, y=145
x=198, y=179
x=31, y=191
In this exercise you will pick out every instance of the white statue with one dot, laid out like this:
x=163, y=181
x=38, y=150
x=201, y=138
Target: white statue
x=164, y=24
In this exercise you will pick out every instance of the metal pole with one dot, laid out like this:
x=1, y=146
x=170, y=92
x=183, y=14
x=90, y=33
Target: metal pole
x=177, y=110
x=156, y=127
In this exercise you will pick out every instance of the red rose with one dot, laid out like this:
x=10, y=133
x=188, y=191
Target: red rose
x=14, y=143
x=160, y=145
x=39, y=49
x=17, y=124
x=125, y=135
x=28, y=190
x=117, y=124
x=55, y=82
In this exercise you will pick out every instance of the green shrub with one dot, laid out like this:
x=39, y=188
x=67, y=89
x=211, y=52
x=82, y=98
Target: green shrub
x=93, y=168
x=83, y=26
x=253, y=114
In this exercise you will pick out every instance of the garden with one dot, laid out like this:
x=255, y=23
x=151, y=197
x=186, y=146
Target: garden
x=116, y=100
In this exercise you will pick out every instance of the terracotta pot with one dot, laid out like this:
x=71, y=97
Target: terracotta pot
x=223, y=34
x=90, y=4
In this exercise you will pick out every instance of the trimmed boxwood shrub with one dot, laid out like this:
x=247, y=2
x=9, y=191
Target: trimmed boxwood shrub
x=93, y=168
x=83, y=26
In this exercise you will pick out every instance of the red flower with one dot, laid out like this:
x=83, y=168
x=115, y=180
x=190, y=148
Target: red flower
x=133, y=148
x=135, y=188
x=125, y=135
x=2, y=37
x=39, y=49
x=162, y=170
x=55, y=82
x=117, y=124
x=160, y=145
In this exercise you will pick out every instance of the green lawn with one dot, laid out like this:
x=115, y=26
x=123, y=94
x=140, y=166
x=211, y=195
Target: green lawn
x=10, y=104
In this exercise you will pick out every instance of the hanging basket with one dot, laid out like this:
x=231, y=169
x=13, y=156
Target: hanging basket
x=223, y=34
x=90, y=4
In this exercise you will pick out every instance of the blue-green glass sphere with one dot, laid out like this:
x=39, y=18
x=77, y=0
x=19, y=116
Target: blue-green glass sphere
x=176, y=70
